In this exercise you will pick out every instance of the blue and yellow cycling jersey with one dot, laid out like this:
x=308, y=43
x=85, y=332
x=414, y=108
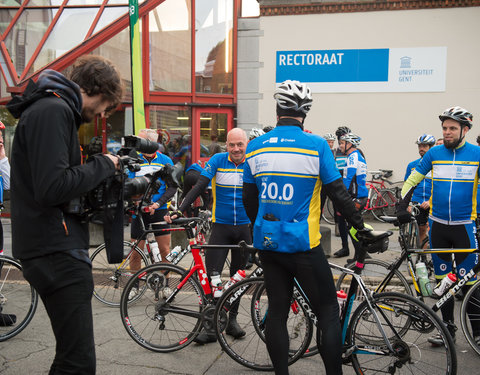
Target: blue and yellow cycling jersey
x=227, y=187
x=147, y=167
x=355, y=175
x=424, y=189
x=454, y=182
x=288, y=166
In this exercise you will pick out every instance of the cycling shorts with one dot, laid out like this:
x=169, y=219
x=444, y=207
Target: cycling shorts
x=453, y=236
x=136, y=230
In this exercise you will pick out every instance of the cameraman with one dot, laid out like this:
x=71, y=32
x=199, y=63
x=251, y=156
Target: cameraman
x=52, y=243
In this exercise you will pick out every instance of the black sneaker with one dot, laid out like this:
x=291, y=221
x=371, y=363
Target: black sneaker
x=205, y=338
x=341, y=253
x=233, y=329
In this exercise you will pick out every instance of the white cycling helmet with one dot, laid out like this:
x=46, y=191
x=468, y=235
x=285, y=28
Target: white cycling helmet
x=351, y=138
x=426, y=139
x=458, y=114
x=294, y=96
x=330, y=137
x=254, y=133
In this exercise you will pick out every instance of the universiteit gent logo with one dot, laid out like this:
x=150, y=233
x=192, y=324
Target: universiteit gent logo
x=405, y=62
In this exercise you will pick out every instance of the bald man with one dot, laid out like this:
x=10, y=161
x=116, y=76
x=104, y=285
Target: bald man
x=230, y=221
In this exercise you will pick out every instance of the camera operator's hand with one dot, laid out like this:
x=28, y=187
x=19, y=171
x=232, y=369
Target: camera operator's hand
x=114, y=159
x=172, y=216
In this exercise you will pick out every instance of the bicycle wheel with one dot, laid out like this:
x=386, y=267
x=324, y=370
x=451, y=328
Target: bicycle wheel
x=162, y=316
x=407, y=324
x=470, y=316
x=110, y=279
x=251, y=350
x=389, y=199
x=328, y=213
x=373, y=273
x=377, y=203
x=18, y=299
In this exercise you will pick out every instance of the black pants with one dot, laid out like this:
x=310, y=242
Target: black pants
x=65, y=285
x=312, y=271
x=227, y=234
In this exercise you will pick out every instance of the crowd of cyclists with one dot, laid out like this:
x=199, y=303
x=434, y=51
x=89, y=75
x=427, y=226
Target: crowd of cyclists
x=268, y=189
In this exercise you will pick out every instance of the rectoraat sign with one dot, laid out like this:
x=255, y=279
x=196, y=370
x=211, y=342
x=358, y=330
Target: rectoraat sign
x=366, y=70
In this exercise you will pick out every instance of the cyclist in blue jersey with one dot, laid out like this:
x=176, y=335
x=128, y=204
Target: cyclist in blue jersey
x=230, y=223
x=341, y=162
x=421, y=194
x=157, y=208
x=454, y=167
x=285, y=171
x=354, y=176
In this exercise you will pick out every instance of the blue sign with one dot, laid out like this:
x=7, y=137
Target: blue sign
x=350, y=65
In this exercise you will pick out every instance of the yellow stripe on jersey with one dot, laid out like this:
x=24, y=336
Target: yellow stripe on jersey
x=294, y=150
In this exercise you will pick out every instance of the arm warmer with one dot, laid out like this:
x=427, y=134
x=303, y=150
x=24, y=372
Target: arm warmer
x=407, y=190
x=197, y=189
x=250, y=201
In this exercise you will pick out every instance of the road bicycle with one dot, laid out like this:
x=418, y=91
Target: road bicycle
x=470, y=307
x=110, y=279
x=17, y=297
x=385, y=333
x=381, y=198
x=173, y=304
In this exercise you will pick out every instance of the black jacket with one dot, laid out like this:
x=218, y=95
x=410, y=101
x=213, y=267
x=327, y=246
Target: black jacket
x=46, y=170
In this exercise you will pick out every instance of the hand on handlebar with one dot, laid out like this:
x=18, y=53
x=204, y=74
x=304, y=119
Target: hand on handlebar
x=172, y=216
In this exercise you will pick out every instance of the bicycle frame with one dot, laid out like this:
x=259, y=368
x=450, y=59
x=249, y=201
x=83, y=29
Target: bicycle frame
x=407, y=255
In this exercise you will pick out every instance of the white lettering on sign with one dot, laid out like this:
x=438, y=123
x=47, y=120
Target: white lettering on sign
x=310, y=59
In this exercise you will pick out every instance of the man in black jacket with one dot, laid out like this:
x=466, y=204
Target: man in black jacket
x=47, y=174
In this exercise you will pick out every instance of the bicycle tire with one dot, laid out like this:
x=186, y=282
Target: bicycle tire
x=376, y=205
x=157, y=320
x=390, y=199
x=470, y=312
x=17, y=297
x=110, y=279
x=412, y=352
x=328, y=213
x=373, y=273
x=251, y=351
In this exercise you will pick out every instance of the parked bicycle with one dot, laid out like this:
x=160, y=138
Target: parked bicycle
x=385, y=333
x=470, y=308
x=18, y=299
x=172, y=304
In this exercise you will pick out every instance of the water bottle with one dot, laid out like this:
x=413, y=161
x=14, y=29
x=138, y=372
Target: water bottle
x=446, y=283
x=216, y=282
x=152, y=242
x=341, y=298
x=423, y=281
x=239, y=276
x=173, y=253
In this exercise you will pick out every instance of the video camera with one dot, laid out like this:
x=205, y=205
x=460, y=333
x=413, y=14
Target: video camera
x=108, y=202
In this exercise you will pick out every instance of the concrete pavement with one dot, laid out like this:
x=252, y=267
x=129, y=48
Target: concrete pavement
x=32, y=351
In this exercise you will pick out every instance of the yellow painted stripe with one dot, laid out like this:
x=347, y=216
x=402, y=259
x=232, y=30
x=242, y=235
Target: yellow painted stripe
x=283, y=149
